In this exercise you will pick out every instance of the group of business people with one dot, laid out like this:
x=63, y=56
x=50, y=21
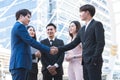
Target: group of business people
x=89, y=39
x=51, y=64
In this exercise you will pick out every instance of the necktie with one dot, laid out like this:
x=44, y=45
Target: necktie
x=51, y=42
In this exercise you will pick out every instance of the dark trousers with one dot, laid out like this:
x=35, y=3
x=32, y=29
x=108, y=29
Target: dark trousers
x=32, y=74
x=92, y=71
x=48, y=76
x=19, y=74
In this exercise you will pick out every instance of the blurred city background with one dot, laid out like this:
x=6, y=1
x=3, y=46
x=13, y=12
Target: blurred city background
x=61, y=13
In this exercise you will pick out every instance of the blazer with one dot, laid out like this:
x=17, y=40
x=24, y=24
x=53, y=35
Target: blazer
x=20, y=47
x=92, y=39
x=47, y=60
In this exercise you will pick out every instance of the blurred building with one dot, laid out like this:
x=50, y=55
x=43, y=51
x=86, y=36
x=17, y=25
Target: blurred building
x=61, y=13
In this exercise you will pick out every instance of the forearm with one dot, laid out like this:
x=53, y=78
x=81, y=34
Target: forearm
x=77, y=56
x=70, y=46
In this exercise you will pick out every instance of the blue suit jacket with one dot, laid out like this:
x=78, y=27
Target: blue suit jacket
x=20, y=47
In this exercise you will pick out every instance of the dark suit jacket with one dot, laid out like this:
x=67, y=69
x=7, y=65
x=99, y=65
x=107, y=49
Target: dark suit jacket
x=52, y=59
x=20, y=47
x=93, y=41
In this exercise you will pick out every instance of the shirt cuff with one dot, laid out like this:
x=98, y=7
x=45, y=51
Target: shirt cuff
x=56, y=65
x=48, y=66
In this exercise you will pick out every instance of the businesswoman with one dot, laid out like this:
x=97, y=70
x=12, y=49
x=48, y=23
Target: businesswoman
x=74, y=56
x=32, y=74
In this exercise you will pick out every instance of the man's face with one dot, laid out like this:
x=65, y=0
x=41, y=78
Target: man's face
x=84, y=15
x=25, y=19
x=51, y=31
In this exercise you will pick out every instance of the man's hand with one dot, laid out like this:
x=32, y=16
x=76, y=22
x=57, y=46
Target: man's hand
x=53, y=50
x=52, y=70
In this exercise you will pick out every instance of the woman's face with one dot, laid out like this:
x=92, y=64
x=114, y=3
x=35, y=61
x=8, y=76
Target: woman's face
x=31, y=32
x=72, y=28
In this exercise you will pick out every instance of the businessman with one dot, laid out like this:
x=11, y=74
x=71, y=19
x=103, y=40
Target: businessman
x=92, y=37
x=52, y=64
x=21, y=59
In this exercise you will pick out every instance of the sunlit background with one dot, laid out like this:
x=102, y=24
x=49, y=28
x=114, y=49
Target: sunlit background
x=61, y=13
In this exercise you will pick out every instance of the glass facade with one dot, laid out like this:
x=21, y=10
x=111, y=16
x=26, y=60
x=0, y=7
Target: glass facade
x=8, y=9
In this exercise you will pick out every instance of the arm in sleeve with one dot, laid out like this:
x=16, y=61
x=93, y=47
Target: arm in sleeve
x=23, y=34
x=100, y=39
x=61, y=56
x=71, y=45
x=44, y=59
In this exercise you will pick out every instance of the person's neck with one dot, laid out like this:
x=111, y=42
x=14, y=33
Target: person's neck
x=74, y=35
x=87, y=20
x=51, y=37
x=20, y=21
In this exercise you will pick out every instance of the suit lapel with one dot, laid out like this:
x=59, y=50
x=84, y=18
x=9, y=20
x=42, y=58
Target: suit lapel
x=55, y=42
x=87, y=32
x=89, y=26
x=47, y=42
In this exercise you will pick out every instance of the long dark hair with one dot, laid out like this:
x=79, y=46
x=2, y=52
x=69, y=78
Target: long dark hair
x=34, y=31
x=78, y=26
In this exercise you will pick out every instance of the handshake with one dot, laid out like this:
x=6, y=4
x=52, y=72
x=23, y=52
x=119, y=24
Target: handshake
x=53, y=50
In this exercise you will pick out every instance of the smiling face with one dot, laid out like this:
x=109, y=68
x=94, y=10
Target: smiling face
x=51, y=31
x=31, y=32
x=72, y=28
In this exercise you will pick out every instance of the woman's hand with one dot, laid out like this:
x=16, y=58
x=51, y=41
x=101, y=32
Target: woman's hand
x=38, y=54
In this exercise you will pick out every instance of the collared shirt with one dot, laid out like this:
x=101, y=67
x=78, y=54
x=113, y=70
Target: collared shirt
x=50, y=40
x=19, y=21
x=88, y=24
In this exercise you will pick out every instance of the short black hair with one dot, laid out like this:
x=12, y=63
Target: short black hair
x=88, y=7
x=23, y=12
x=51, y=24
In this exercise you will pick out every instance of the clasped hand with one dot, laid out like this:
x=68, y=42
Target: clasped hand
x=53, y=50
x=52, y=70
